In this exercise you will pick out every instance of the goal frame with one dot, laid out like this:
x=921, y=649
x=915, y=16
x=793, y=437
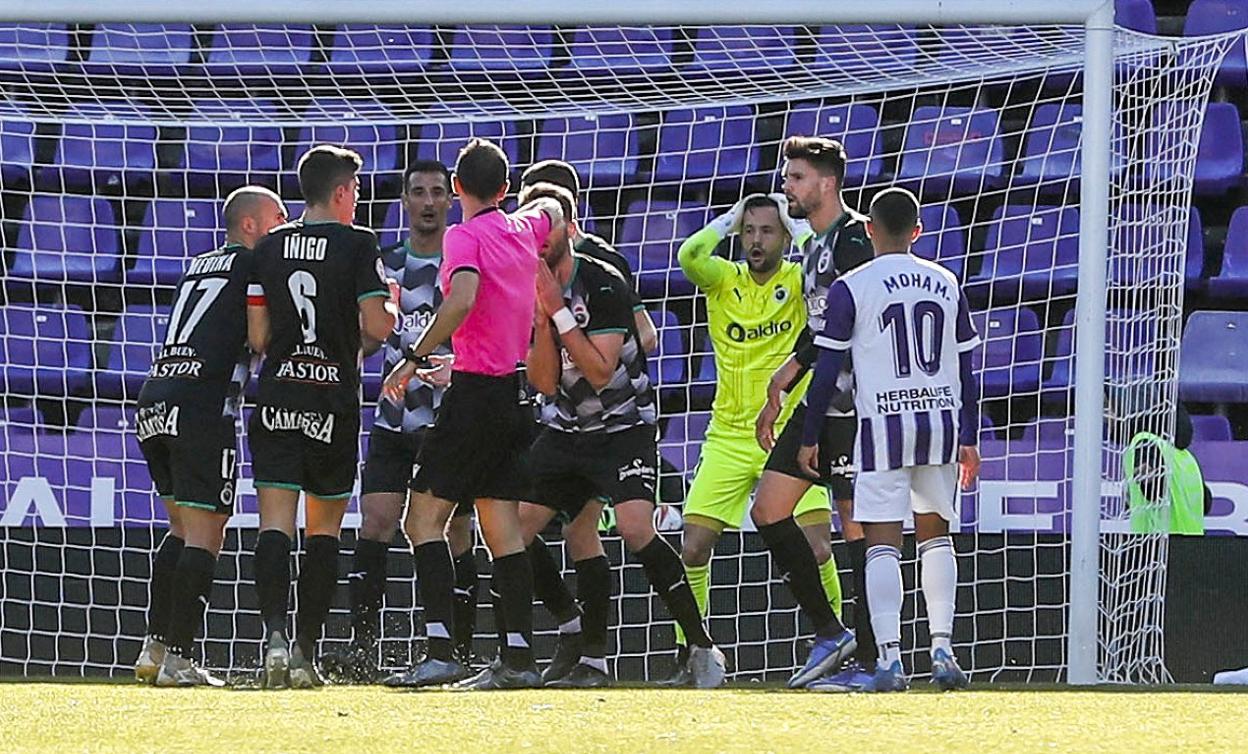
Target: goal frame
x=1096, y=17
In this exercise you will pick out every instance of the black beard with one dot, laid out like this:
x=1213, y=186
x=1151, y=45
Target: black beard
x=797, y=212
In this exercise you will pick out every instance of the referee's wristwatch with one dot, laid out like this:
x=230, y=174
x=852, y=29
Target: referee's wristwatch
x=420, y=362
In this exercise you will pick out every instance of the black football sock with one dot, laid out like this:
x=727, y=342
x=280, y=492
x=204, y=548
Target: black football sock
x=867, y=651
x=272, y=573
x=435, y=573
x=513, y=577
x=466, y=585
x=160, y=598
x=667, y=575
x=318, y=580
x=192, y=588
x=367, y=585
x=796, y=562
x=593, y=588
x=548, y=584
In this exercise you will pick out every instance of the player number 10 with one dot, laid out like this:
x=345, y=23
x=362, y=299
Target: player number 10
x=925, y=331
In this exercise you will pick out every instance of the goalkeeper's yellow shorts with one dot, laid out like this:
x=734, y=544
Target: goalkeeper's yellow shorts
x=728, y=471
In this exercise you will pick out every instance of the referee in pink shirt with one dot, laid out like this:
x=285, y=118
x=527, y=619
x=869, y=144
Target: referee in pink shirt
x=475, y=449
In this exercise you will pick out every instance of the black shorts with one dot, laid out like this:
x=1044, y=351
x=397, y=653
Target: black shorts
x=196, y=463
x=391, y=464
x=836, y=453
x=313, y=451
x=570, y=469
x=476, y=447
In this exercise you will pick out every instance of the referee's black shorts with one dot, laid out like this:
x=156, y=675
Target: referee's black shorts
x=477, y=446
x=391, y=464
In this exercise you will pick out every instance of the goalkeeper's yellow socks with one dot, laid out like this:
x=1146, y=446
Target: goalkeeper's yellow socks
x=831, y=584
x=699, y=578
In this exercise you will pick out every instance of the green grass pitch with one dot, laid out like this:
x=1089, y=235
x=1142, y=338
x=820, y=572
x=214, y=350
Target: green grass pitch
x=114, y=717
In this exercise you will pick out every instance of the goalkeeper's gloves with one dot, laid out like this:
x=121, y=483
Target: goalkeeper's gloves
x=729, y=222
x=793, y=226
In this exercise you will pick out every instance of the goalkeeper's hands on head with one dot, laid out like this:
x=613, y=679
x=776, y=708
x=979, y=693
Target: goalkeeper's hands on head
x=794, y=227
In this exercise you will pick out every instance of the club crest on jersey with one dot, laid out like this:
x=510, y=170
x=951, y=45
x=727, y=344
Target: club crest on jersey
x=581, y=312
x=825, y=261
x=381, y=271
x=781, y=293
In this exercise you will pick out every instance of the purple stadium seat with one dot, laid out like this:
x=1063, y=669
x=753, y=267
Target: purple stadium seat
x=1220, y=156
x=1051, y=153
x=954, y=149
x=682, y=440
x=501, y=49
x=1140, y=235
x=1212, y=357
x=857, y=127
x=604, y=149
x=670, y=364
x=17, y=145
x=725, y=49
x=1129, y=338
x=106, y=418
x=372, y=372
x=620, y=51
x=943, y=239
x=136, y=339
x=651, y=234
x=709, y=142
x=68, y=239
x=858, y=51
x=1008, y=363
x=1137, y=15
x=702, y=386
x=140, y=49
x=1211, y=429
x=1214, y=17
x=442, y=141
x=20, y=418
x=173, y=231
x=32, y=47
x=105, y=146
x=229, y=144
x=379, y=50
x=44, y=350
x=378, y=144
x=1032, y=251
x=275, y=50
x=1232, y=282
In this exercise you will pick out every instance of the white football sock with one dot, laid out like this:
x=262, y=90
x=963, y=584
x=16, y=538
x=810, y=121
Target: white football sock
x=884, y=595
x=938, y=569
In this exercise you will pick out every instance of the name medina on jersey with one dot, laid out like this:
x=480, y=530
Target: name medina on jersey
x=315, y=366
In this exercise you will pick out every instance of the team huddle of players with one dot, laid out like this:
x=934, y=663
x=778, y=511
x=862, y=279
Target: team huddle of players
x=529, y=303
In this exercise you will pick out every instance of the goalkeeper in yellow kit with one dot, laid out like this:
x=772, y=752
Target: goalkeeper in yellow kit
x=756, y=312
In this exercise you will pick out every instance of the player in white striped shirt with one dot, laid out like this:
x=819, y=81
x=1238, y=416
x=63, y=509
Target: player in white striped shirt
x=907, y=326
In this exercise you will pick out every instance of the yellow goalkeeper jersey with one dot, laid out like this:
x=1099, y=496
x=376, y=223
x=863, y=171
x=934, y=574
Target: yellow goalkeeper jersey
x=753, y=328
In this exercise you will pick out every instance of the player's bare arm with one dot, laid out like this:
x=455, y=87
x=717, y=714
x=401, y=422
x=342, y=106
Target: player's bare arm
x=542, y=364
x=647, y=333
x=258, y=326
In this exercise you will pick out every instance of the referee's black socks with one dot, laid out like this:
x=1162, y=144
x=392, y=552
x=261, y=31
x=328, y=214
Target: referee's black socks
x=318, y=579
x=513, y=581
x=192, y=589
x=667, y=576
x=160, y=597
x=367, y=585
x=272, y=571
x=434, y=575
x=796, y=562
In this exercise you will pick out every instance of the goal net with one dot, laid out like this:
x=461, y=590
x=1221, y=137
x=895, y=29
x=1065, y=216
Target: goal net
x=118, y=143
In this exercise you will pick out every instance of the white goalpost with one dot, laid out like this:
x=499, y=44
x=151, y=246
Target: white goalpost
x=1053, y=154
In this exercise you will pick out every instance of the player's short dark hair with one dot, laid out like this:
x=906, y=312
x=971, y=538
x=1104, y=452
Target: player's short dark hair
x=426, y=166
x=550, y=191
x=557, y=172
x=482, y=169
x=242, y=203
x=826, y=155
x=895, y=211
x=759, y=200
x=324, y=168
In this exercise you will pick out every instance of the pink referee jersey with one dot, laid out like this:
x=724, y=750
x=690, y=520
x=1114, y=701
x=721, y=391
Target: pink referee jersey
x=502, y=248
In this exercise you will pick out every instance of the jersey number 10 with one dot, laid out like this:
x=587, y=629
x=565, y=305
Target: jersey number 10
x=925, y=332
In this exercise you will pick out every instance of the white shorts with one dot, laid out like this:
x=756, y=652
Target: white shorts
x=887, y=496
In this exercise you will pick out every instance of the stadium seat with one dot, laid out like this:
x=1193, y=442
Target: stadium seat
x=1129, y=339
x=32, y=47
x=954, y=149
x=378, y=142
x=1231, y=284
x=140, y=49
x=943, y=239
x=1211, y=429
x=380, y=50
x=651, y=235
x=1220, y=156
x=1008, y=362
x=104, y=146
x=1215, y=17
x=442, y=141
x=858, y=51
x=106, y=417
x=1141, y=236
x=706, y=143
x=17, y=145
x=501, y=49
x=724, y=49
x=67, y=239
x=135, y=342
x=1137, y=15
x=682, y=440
x=857, y=127
x=278, y=50
x=1030, y=251
x=604, y=149
x=44, y=351
x=620, y=51
x=229, y=144
x=1212, y=357
x=670, y=365
x=173, y=231
x=372, y=372
x=26, y=419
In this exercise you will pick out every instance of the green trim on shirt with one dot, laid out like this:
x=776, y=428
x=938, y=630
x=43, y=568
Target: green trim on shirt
x=407, y=246
x=608, y=331
x=371, y=294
